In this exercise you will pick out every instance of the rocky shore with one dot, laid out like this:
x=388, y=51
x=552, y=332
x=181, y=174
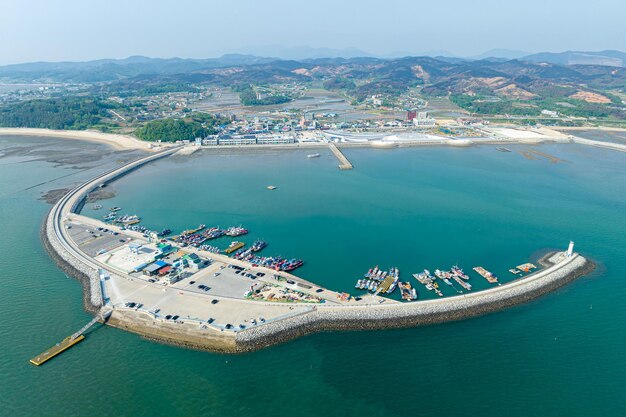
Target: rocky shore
x=418, y=313
x=88, y=277
x=344, y=318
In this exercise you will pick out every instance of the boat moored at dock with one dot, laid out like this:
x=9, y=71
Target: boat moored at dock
x=233, y=247
x=492, y=279
x=408, y=293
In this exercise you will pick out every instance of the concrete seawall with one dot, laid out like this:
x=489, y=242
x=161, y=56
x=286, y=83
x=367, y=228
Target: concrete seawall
x=345, y=318
x=69, y=259
x=598, y=144
x=88, y=277
x=417, y=313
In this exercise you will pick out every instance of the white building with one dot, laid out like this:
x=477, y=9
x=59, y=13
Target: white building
x=423, y=119
x=550, y=113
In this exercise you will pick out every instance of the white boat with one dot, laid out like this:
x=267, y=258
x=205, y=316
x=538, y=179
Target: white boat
x=313, y=155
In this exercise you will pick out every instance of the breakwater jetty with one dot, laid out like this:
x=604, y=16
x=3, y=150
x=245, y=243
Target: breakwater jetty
x=232, y=322
x=63, y=250
x=560, y=269
x=599, y=144
x=344, y=163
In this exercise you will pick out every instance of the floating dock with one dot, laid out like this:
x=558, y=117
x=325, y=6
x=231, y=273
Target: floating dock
x=492, y=279
x=386, y=284
x=344, y=164
x=67, y=343
x=234, y=247
x=466, y=285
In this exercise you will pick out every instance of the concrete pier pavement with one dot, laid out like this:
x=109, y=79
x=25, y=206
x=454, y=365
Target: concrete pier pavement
x=343, y=161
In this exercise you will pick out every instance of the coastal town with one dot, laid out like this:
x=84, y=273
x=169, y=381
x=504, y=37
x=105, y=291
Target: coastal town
x=337, y=209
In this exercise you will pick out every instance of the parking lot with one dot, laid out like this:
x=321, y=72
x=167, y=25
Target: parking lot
x=93, y=241
x=221, y=281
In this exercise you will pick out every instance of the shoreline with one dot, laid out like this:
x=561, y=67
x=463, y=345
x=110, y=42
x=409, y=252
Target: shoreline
x=126, y=142
x=120, y=142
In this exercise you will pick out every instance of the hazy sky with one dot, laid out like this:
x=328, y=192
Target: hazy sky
x=52, y=30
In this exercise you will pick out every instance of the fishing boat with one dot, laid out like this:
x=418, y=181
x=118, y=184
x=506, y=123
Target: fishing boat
x=271, y=187
x=97, y=206
x=427, y=281
x=395, y=274
x=292, y=264
x=235, y=231
x=110, y=216
x=213, y=233
x=408, y=293
x=129, y=219
x=313, y=155
x=258, y=245
x=114, y=209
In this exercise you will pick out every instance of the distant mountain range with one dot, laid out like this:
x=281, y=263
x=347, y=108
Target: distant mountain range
x=114, y=69
x=606, y=58
x=104, y=70
x=534, y=77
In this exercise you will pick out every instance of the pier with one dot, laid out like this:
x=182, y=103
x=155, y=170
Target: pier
x=68, y=342
x=344, y=164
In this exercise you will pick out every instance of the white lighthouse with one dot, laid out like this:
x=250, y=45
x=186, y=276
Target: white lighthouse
x=570, y=249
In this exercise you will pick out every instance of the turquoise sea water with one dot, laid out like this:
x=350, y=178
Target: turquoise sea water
x=561, y=355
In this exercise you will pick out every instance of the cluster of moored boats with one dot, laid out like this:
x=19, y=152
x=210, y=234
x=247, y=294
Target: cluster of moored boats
x=197, y=237
x=248, y=253
x=277, y=263
x=126, y=219
x=273, y=262
x=379, y=281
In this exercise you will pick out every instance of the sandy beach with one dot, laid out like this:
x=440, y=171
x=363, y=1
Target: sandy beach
x=121, y=142
x=601, y=128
